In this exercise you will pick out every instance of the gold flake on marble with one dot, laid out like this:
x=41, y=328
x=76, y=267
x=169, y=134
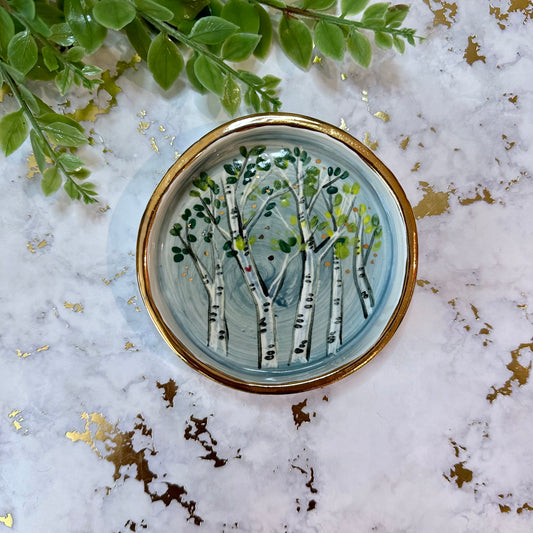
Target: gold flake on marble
x=299, y=415
x=416, y=167
x=22, y=354
x=382, y=116
x=519, y=371
x=153, y=144
x=91, y=111
x=472, y=51
x=77, y=307
x=426, y=283
x=373, y=145
x=432, y=203
x=117, y=275
x=129, y=345
x=170, y=390
x=7, y=520
x=343, y=125
x=482, y=195
x=443, y=15
x=17, y=419
x=404, y=143
x=515, y=6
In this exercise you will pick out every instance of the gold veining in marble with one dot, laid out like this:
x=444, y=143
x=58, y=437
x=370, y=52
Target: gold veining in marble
x=153, y=144
x=7, y=520
x=515, y=6
x=76, y=307
x=129, y=346
x=44, y=348
x=91, y=111
x=485, y=330
x=432, y=203
x=459, y=473
x=385, y=117
x=426, y=283
x=445, y=14
x=117, y=275
x=482, y=195
x=170, y=390
x=22, y=354
x=472, y=51
x=416, y=167
x=39, y=243
x=508, y=144
x=196, y=430
x=519, y=371
x=17, y=419
x=373, y=145
x=343, y=125
x=299, y=415
x=404, y=142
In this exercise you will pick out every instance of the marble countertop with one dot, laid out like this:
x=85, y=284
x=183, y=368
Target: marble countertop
x=103, y=428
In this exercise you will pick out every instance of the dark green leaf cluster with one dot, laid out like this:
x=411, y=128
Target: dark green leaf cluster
x=50, y=40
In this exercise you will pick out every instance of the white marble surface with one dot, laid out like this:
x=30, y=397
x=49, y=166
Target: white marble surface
x=433, y=435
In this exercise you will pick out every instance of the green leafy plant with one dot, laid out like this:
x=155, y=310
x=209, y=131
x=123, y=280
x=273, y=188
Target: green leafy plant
x=49, y=41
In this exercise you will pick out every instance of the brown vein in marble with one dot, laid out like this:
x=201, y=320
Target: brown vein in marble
x=472, y=51
x=117, y=447
x=198, y=432
x=519, y=372
x=299, y=415
x=311, y=504
x=445, y=15
x=170, y=390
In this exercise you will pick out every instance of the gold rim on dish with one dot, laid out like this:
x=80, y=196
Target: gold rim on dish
x=195, y=151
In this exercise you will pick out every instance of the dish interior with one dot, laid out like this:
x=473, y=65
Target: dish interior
x=282, y=271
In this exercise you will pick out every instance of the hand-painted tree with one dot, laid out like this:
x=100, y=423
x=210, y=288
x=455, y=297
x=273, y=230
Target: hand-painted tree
x=307, y=184
x=197, y=243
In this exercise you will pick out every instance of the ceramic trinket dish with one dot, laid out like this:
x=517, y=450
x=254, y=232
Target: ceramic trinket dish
x=278, y=254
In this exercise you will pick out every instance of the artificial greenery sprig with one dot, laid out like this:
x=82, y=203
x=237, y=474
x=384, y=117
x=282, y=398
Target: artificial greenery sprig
x=45, y=41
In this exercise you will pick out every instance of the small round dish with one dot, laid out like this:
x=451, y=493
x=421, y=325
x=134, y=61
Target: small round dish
x=278, y=254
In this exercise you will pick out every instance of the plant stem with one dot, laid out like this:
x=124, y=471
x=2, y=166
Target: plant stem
x=339, y=21
x=37, y=128
x=197, y=47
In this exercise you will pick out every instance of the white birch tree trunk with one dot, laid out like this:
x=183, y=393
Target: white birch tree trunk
x=217, y=337
x=266, y=322
x=305, y=310
x=334, y=337
x=361, y=281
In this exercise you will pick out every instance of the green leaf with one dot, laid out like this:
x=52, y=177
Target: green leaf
x=13, y=131
x=70, y=162
x=239, y=243
x=318, y=5
x=232, y=96
x=64, y=134
x=85, y=28
x=7, y=30
x=38, y=148
x=64, y=80
x=360, y=48
x=352, y=7
x=29, y=98
x=209, y=75
x=72, y=190
x=284, y=247
x=49, y=116
x=240, y=46
x=399, y=43
x=265, y=30
x=242, y=14
x=374, y=15
x=195, y=82
x=114, y=14
x=383, y=40
x=396, y=15
x=212, y=30
x=62, y=34
x=51, y=180
x=296, y=41
x=22, y=51
x=138, y=37
x=38, y=25
x=341, y=250
x=25, y=7
x=75, y=53
x=49, y=58
x=165, y=61
x=91, y=70
x=154, y=10
x=329, y=39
